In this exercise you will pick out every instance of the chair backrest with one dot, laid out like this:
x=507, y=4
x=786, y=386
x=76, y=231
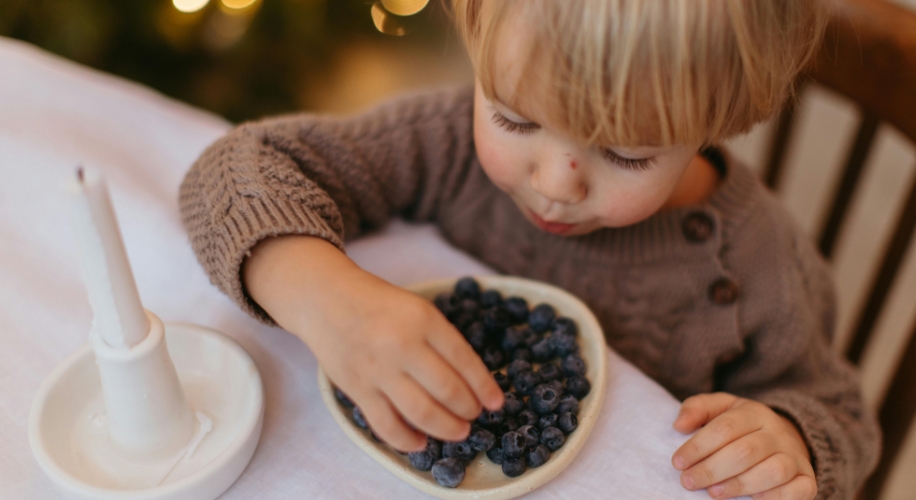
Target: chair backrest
x=869, y=56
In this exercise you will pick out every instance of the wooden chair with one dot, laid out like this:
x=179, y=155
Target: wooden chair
x=869, y=56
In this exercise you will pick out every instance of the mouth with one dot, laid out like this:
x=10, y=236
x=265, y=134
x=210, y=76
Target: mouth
x=550, y=227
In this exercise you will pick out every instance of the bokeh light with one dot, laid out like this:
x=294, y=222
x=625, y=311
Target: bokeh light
x=238, y=4
x=386, y=22
x=404, y=7
x=190, y=5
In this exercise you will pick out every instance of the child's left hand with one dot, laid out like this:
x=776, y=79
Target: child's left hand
x=743, y=448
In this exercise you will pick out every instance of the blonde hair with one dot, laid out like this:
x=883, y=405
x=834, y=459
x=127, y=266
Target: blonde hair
x=638, y=72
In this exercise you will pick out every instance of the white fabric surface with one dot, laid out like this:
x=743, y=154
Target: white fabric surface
x=54, y=115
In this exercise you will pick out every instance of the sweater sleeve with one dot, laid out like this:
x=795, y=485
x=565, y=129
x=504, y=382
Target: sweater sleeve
x=332, y=178
x=811, y=384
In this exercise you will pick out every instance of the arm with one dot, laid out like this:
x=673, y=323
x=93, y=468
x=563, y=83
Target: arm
x=790, y=396
x=273, y=202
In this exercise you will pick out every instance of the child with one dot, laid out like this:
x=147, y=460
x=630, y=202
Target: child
x=585, y=157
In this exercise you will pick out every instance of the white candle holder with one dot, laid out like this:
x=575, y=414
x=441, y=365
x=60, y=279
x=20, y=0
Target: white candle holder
x=173, y=414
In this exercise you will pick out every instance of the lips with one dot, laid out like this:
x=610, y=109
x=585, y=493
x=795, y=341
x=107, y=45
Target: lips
x=550, y=227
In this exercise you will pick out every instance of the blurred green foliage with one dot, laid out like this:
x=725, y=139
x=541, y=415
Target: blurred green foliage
x=241, y=63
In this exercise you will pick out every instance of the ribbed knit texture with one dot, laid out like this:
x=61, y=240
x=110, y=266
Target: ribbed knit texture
x=653, y=288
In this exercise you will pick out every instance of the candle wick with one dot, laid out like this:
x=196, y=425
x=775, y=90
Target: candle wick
x=79, y=174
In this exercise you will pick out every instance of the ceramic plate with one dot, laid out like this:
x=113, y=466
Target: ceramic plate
x=484, y=479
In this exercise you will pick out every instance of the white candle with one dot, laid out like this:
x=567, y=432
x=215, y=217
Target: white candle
x=118, y=313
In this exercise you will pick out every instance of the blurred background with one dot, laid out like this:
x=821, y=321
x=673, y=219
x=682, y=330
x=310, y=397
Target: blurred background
x=243, y=59
x=248, y=58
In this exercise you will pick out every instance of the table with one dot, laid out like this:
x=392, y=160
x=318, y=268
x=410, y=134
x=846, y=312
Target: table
x=54, y=115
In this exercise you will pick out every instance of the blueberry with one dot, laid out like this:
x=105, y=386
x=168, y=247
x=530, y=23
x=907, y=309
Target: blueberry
x=502, y=380
x=568, y=403
x=531, y=337
x=344, y=400
x=467, y=288
x=549, y=420
x=557, y=386
x=544, y=399
x=449, y=472
x=541, y=317
x=542, y=351
x=514, y=467
x=476, y=335
x=493, y=357
x=375, y=437
x=359, y=419
x=495, y=454
x=481, y=439
x=490, y=298
x=461, y=450
x=573, y=365
x=527, y=417
x=564, y=325
x=548, y=372
x=471, y=307
x=462, y=319
x=567, y=422
x=495, y=320
x=424, y=460
x=517, y=366
x=448, y=304
x=512, y=339
x=509, y=424
x=531, y=434
x=577, y=386
x=512, y=404
x=524, y=382
x=517, y=308
x=521, y=353
x=514, y=444
x=538, y=456
x=491, y=419
x=552, y=438
x=562, y=343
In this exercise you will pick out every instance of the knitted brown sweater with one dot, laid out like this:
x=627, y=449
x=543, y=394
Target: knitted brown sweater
x=726, y=296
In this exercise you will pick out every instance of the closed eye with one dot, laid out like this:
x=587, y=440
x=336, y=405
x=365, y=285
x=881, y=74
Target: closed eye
x=514, y=127
x=628, y=163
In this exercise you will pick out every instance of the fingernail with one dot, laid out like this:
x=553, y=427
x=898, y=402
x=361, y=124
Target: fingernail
x=687, y=481
x=716, y=490
x=678, y=463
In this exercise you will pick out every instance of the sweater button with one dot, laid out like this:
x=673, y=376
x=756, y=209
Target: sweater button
x=723, y=292
x=698, y=227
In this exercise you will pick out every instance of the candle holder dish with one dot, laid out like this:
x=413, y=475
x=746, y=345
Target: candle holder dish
x=69, y=426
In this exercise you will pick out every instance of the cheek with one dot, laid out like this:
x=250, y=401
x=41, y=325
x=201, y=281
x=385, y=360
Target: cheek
x=499, y=159
x=630, y=202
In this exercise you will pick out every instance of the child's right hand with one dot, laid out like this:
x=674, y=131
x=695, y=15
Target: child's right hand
x=393, y=353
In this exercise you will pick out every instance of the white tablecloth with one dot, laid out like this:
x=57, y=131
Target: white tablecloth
x=54, y=115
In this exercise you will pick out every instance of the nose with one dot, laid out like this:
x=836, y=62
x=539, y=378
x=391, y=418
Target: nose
x=559, y=180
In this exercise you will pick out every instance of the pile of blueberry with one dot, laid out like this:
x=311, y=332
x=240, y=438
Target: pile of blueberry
x=543, y=381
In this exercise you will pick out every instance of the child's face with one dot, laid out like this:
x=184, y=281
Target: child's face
x=559, y=184
x=564, y=187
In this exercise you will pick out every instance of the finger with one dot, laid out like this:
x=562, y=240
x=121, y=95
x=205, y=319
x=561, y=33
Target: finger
x=733, y=459
x=455, y=349
x=444, y=384
x=776, y=471
x=722, y=430
x=418, y=408
x=799, y=488
x=698, y=410
x=384, y=420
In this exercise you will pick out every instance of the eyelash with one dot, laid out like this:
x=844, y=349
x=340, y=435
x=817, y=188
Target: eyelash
x=514, y=127
x=627, y=163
